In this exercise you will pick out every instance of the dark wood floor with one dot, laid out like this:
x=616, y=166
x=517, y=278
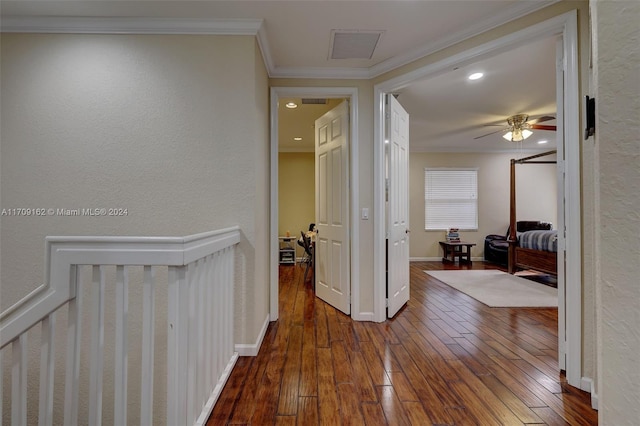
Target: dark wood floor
x=445, y=359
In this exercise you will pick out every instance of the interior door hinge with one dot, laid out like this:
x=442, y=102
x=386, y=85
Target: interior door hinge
x=386, y=303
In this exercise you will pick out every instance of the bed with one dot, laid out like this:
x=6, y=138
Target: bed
x=537, y=249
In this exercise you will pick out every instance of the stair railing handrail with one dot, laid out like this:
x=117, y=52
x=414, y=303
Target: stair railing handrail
x=63, y=251
x=200, y=348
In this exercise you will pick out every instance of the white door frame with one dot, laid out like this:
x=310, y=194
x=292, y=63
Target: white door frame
x=350, y=93
x=565, y=25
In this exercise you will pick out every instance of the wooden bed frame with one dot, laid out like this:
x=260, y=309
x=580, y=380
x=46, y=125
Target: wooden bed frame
x=523, y=258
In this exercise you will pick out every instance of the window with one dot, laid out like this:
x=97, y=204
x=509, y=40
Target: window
x=450, y=199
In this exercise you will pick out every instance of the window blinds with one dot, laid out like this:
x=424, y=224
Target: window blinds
x=451, y=199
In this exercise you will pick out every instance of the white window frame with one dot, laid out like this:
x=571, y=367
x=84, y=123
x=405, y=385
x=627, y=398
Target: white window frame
x=473, y=194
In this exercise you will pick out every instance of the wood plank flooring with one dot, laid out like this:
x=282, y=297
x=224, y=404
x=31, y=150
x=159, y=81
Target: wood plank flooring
x=445, y=359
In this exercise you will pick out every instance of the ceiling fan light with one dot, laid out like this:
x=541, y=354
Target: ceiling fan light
x=507, y=136
x=516, y=135
x=526, y=133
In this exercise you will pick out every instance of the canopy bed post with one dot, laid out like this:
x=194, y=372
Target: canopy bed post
x=512, y=220
x=520, y=257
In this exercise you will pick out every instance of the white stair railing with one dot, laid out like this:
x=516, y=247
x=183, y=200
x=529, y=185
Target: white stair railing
x=199, y=275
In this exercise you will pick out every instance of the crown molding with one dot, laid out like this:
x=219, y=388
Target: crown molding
x=263, y=44
x=510, y=14
x=327, y=73
x=123, y=25
x=253, y=27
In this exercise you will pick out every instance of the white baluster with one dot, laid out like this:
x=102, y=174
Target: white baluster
x=72, y=376
x=221, y=288
x=177, y=346
x=121, y=347
x=19, y=381
x=208, y=325
x=226, y=289
x=201, y=283
x=1, y=383
x=97, y=347
x=46, y=370
x=215, y=317
x=191, y=348
x=148, y=315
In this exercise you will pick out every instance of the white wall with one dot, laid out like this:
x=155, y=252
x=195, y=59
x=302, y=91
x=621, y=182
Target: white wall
x=172, y=128
x=536, y=197
x=616, y=88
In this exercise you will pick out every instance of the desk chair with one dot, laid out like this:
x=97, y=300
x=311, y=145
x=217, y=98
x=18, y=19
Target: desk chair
x=307, y=257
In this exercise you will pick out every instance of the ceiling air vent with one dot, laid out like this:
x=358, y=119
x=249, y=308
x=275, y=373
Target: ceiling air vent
x=314, y=101
x=353, y=44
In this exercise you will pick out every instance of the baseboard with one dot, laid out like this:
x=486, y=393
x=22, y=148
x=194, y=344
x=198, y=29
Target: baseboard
x=252, y=349
x=587, y=385
x=215, y=394
x=363, y=316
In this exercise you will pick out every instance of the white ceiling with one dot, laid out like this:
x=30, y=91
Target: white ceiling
x=446, y=111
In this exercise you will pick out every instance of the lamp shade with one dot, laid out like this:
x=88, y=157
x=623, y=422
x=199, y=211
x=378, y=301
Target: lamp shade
x=517, y=135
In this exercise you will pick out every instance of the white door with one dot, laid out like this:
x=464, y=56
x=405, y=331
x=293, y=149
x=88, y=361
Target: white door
x=398, y=208
x=332, y=248
x=562, y=329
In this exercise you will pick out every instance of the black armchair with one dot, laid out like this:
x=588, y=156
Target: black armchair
x=496, y=247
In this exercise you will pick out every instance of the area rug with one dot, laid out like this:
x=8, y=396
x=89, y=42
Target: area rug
x=498, y=289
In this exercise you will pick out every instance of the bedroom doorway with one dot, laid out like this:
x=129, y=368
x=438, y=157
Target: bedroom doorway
x=334, y=96
x=564, y=28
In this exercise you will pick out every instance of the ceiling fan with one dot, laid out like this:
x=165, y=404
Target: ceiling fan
x=519, y=128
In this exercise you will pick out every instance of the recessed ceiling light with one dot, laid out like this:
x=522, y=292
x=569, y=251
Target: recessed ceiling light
x=297, y=138
x=543, y=141
x=291, y=105
x=475, y=76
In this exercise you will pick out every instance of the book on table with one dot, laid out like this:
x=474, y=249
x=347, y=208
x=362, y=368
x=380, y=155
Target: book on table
x=453, y=236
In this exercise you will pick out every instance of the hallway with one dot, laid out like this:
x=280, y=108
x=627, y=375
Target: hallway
x=444, y=359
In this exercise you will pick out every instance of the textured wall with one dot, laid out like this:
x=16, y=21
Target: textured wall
x=616, y=83
x=172, y=128
x=536, y=196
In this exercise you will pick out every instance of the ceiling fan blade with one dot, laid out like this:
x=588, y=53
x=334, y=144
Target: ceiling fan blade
x=543, y=127
x=497, y=131
x=541, y=119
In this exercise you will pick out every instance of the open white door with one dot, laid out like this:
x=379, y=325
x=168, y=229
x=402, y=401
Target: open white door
x=332, y=249
x=560, y=139
x=398, y=208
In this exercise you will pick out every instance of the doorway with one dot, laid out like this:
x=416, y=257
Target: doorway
x=278, y=94
x=564, y=27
